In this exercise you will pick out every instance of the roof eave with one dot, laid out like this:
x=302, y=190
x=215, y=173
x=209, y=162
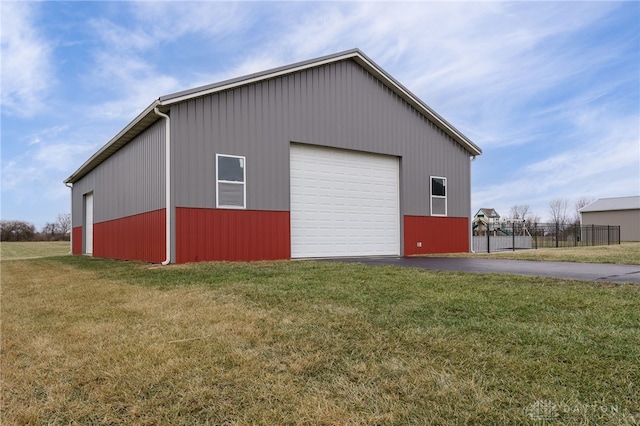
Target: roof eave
x=414, y=101
x=134, y=128
x=148, y=117
x=354, y=54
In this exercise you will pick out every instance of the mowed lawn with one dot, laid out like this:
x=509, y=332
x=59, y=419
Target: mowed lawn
x=89, y=341
x=626, y=253
x=31, y=250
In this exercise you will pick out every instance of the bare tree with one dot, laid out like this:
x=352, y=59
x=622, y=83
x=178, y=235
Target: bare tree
x=531, y=220
x=57, y=230
x=558, y=210
x=16, y=230
x=63, y=224
x=519, y=211
x=49, y=232
x=580, y=203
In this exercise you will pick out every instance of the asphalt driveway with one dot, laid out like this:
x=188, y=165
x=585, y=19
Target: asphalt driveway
x=565, y=270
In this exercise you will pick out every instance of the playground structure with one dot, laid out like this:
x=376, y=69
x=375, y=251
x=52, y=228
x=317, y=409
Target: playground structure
x=487, y=220
x=492, y=233
x=521, y=235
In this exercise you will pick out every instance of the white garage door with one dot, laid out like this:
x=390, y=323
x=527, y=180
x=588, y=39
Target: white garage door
x=343, y=203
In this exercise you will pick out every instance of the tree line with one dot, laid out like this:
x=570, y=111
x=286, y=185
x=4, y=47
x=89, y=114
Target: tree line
x=19, y=230
x=560, y=211
x=59, y=230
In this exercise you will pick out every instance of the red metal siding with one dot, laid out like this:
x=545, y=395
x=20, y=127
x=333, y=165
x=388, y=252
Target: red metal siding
x=76, y=236
x=436, y=234
x=232, y=235
x=137, y=237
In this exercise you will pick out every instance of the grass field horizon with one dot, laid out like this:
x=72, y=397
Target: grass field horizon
x=21, y=250
x=625, y=253
x=94, y=341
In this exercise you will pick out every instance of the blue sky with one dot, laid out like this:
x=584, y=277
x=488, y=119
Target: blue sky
x=549, y=90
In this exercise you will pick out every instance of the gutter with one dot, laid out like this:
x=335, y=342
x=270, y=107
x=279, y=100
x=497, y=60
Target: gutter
x=167, y=155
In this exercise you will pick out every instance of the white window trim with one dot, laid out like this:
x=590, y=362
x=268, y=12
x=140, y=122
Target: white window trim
x=431, y=196
x=244, y=183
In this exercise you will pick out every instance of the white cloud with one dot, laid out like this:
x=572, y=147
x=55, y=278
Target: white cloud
x=129, y=81
x=45, y=134
x=172, y=20
x=602, y=160
x=134, y=84
x=516, y=77
x=26, y=60
x=43, y=160
x=122, y=65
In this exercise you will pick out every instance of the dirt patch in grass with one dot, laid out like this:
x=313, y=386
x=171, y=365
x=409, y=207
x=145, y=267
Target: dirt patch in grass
x=90, y=341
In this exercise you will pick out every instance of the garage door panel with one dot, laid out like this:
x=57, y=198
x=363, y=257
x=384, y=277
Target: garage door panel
x=343, y=203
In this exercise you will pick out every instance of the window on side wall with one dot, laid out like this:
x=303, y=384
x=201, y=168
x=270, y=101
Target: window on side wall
x=231, y=189
x=438, y=196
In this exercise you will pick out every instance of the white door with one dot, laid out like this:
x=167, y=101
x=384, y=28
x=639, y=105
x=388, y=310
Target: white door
x=88, y=223
x=343, y=203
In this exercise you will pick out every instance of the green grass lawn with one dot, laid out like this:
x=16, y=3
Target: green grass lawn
x=91, y=341
x=24, y=250
x=625, y=253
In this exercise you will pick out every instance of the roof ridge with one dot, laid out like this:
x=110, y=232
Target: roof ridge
x=148, y=117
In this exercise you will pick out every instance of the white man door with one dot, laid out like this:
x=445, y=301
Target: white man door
x=88, y=224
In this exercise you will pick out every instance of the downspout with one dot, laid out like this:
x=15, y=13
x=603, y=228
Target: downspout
x=70, y=186
x=473, y=158
x=167, y=156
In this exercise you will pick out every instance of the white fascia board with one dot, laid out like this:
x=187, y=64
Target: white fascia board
x=110, y=147
x=254, y=78
x=362, y=60
x=414, y=101
x=165, y=101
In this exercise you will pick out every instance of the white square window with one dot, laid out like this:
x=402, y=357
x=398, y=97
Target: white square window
x=438, y=196
x=231, y=181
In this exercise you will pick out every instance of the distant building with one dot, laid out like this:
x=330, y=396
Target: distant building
x=622, y=211
x=485, y=218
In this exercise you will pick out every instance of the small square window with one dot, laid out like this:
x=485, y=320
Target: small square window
x=230, y=181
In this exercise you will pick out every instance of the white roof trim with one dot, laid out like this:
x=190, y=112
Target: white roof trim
x=354, y=54
x=612, y=204
x=146, y=117
x=253, y=78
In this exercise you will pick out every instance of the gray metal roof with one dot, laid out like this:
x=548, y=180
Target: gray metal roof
x=618, y=203
x=148, y=117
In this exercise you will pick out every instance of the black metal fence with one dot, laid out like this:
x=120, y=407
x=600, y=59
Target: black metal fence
x=524, y=236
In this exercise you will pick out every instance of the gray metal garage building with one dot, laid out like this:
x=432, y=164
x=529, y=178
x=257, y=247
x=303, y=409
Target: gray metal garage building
x=327, y=157
x=619, y=211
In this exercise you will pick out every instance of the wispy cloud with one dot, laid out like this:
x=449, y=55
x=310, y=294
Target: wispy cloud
x=27, y=72
x=547, y=89
x=125, y=65
x=41, y=160
x=583, y=166
x=166, y=21
x=133, y=84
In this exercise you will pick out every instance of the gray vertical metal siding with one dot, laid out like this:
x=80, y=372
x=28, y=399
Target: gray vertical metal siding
x=129, y=182
x=338, y=105
x=628, y=220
